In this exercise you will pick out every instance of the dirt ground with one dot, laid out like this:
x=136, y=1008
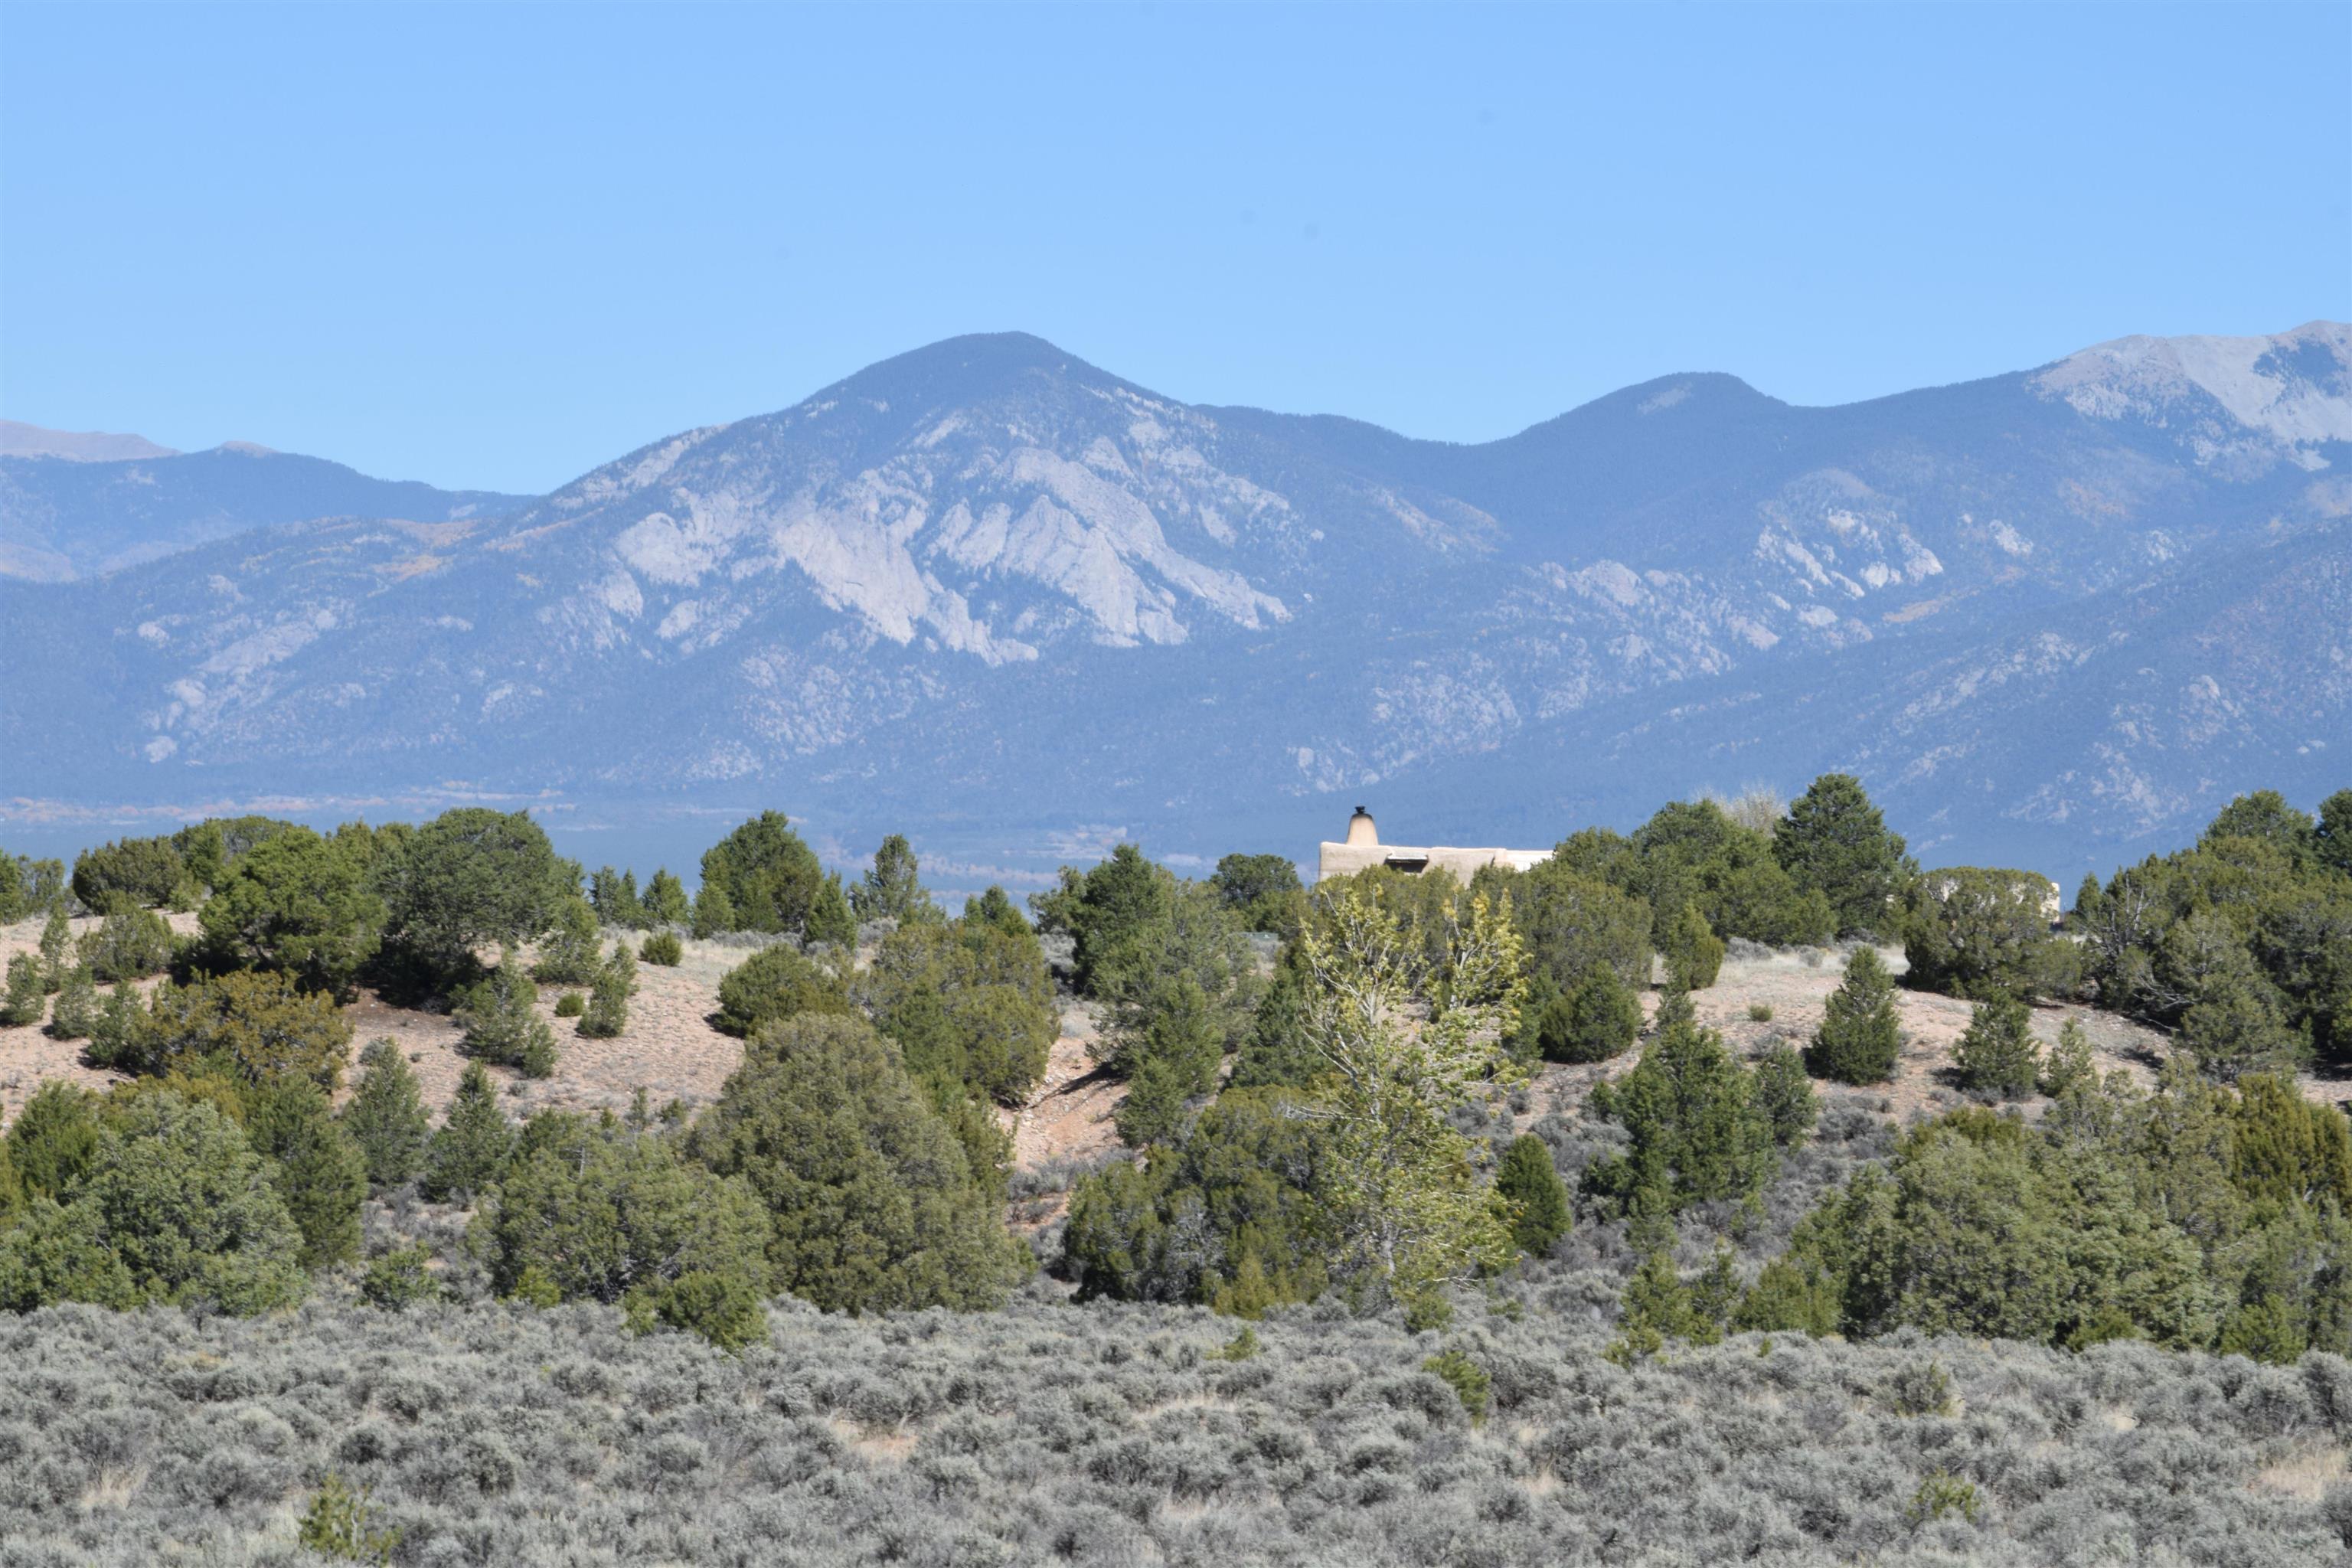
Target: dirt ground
x=670, y=1046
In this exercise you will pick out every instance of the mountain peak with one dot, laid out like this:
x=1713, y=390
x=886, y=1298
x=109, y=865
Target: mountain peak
x=2295, y=387
x=966, y=369
x=18, y=439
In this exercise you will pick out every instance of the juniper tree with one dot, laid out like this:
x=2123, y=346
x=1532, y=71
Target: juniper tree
x=2069, y=1066
x=1860, y=1039
x=714, y=911
x=1528, y=1181
x=2235, y=1028
x=173, y=1207
x=769, y=877
x=260, y=1025
x=608, y=999
x=774, y=983
x=1598, y=1019
x=53, y=1139
x=1785, y=1096
x=1694, y=953
x=893, y=888
x=320, y=1173
x=1997, y=1053
x=28, y=996
x=502, y=1023
x=1698, y=1134
x=386, y=1117
x=75, y=1012
x=875, y=1203
x=665, y=901
x=119, y=1034
x=569, y=954
x=299, y=903
x=128, y=943
x=994, y=906
x=471, y=876
x=57, y=950
x=1834, y=840
x=466, y=1154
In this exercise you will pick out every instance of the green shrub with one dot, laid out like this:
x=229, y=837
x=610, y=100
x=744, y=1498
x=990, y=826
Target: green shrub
x=399, y=1279
x=341, y=1522
x=607, y=1013
x=571, y=1004
x=572, y=950
x=500, y=1015
x=1698, y=1134
x=1942, y=1493
x=723, y=1308
x=1785, y=1095
x=466, y=1154
x=1977, y=933
x=1694, y=953
x=970, y=1004
x=1759, y=1012
x=1597, y=1021
x=173, y=1207
x=1527, y=1178
x=128, y=945
x=320, y=1173
x=2070, y=1065
x=263, y=1025
x=601, y=1213
x=1243, y=1346
x=774, y=984
x=1471, y=1382
x=75, y=1012
x=875, y=1203
x=141, y=871
x=663, y=948
x=28, y=994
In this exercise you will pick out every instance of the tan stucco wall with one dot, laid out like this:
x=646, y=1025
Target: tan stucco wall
x=1346, y=859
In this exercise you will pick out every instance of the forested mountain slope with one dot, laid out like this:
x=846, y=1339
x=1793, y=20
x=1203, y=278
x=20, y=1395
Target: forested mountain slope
x=989, y=587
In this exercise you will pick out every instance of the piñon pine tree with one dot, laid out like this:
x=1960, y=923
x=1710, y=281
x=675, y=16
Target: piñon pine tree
x=1860, y=1039
x=1997, y=1053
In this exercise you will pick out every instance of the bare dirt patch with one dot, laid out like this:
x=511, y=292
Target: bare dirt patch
x=670, y=1046
x=1070, y=1115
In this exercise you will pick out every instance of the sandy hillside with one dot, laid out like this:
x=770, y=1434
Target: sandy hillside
x=672, y=1051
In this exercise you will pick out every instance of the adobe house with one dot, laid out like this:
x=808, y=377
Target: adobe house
x=1363, y=850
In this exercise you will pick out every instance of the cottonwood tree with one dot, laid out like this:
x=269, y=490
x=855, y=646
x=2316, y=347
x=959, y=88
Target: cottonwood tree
x=1408, y=1211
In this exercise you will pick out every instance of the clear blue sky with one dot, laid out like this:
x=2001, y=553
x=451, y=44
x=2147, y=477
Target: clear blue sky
x=496, y=248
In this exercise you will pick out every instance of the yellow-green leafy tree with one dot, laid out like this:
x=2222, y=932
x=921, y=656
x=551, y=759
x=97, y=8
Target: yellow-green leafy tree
x=1405, y=1041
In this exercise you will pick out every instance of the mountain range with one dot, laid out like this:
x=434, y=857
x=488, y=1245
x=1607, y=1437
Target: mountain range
x=997, y=597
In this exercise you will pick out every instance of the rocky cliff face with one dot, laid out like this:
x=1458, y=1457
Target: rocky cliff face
x=988, y=588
